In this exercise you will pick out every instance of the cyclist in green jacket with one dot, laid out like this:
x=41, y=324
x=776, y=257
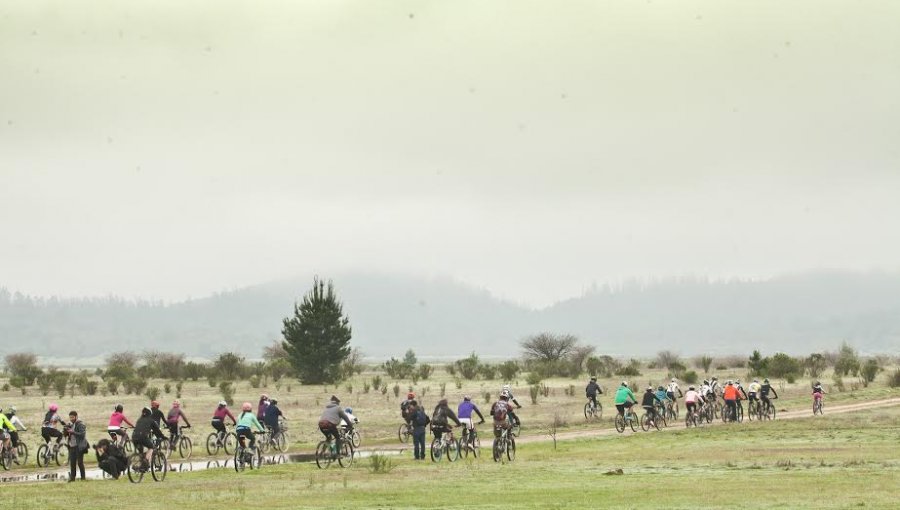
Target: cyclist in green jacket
x=624, y=398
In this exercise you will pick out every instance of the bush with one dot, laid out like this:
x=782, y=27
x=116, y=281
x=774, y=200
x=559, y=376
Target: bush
x=783, y=366
x=534, y=390
x=690, y=377
x=227, y=392
x=703, y=362
x=91, y=387
x=869, y=370
x=508, y=370
x=847, y=362
x=166, y=388
x=366, y=386
x=376, y=382
x=254, y=381
x=487, y=397
x=152, y=393
x=396, y=390
x=894, y=379
x=468, y=367
x=112, y=386
x=487, y=372
x=380, y=464
x=630, y=370
x=396, y=369
x=533, y=378
x=424, y=371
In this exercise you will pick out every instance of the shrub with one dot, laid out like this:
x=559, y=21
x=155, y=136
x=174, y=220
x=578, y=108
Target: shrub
x=458, y=383
x=628, y=370
x=847, y=362
x=869, y=370
x=227, y=392
x=487, y=397
x=380, y=464
x=703, y=362
x=376, y=382
x=894, y=379
x=366, y=386
x=690, y=377
x=152, y=393
x=782, y=365
x=90, y=388
x=443, y=389
x=534, y=390
x=397, y=369
x=166, y=388
x=254, y=381
x=487, y=372
x=112, y=386
x=533, y=378
x=5, y=387
x=424, y=371
x=396, y=390
x=212, y=381
x=468, y=367
x=349, y=388
x=508, y=370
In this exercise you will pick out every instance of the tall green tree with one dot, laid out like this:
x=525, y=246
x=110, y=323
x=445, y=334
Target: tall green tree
x=317, y=337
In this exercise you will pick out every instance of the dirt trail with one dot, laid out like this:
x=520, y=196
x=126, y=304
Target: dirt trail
x=787, y=415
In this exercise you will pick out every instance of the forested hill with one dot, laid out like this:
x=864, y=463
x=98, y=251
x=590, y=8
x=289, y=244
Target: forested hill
x=389, y=314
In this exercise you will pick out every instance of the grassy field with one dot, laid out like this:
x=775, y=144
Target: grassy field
x=837, y=461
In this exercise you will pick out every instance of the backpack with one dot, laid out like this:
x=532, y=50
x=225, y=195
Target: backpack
x=439, y=417
x=501, y=408
x=420, y=419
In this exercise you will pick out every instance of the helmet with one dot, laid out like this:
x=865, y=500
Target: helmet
x=176, y=404
x=593, y=378
x=222, y=403
x=738, y=382
x=756, y=380
x=705, y=381
x=410, y=396
x=818, y=383
x=348, y=410
x=674, y=380
x=154, y=404
x=119, y=408
x=264, y=397
x=728, y=382
x=146, y=411
x=335, y=399
x=691, y=388
x=467, y=398
x=246, y=406
x=273, y=401
x=660, y=388
x=649, y=388
x=766, y=381
x=12, y=409
x=624, y=383
x=506, y=387
x=504, y=394
x=715, y=378
x=54, y=407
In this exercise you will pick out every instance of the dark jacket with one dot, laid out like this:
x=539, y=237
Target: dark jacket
x=272, y=414
x=113, y=454
x=158, y=417
x=77, y=436
x=145, y=426
x=593, y=389
x=419, y=419
x=443, y=415
x=649, y=399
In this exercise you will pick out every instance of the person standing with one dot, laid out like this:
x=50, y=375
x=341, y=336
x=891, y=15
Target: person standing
x=77, y=443
x=419, y=420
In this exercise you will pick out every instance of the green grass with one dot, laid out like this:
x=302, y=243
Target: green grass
x=837, y=461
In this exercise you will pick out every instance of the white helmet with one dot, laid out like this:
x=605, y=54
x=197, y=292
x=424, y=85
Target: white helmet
x=505, y=387
x=504, y=394
x=674, y=380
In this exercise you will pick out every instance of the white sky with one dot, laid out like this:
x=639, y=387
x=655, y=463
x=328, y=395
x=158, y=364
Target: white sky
x=173, y=149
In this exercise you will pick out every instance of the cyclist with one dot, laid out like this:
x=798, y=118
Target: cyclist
x=512, y=413
x=353, y=419
x=17, y=423
x=624, y=398
x=692, y=400
x=715, y=387
x=247, y=423
x=405, y=409
x=731, y=395
x=9, y=435
x=464, y=413
x=649, y=403
x=172, y=421
x=705, y=389
x=145, y=427
x=753, y=391
x=672, y=388
x=330, y=419
x=157, y=415
x=219, y=415
x=271, y=417
x=501, y=410
x=817, y=391
x=663, y=396
x=114, y=429
x=262, y=406
x=48, y=427
x=764, y=393
x=592, y=390
x=441, y=418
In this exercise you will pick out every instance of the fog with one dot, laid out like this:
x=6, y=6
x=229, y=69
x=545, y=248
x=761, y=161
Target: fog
x=175, y=149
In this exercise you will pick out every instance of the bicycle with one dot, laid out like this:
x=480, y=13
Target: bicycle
x=57, y=453
x=470, y=442
x=647, y=421
x=224, y=440
x=691, y=419
x=627, y=418
x=6, y=455
x=22, y=451
x=404, y=432
x=593, y=412
x=767, y=410
x=752, y=410
x=181, y=442
x=445, y=446
x=672, y=410
x=138, y=465
x=327, y=452
x=818, y=405
x=353, y=436
x=244, y=456
x=122, y=440
x=504, y=444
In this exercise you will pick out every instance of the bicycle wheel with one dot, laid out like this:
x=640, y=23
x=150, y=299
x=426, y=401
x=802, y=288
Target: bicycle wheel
x=185, y=447
x=403, y=433
x=135, y=468
x=43, y=455
x=280, y=442
x=675, y=410
x=212, y=443
x=22, y=451
x=158, y=466
x=740, y=414
x=230, y=443
x=511, y=449
x=598, y=411
x=345, y=459
x=687, y=421
x=436, y=450
x=60, y=455
x=645, y=422
x=239, y=459
x=451, y=450
x=772, y=412
x=497, y=449
x=634, y=421
x=323, y=455
x=5, y=461
x=355, y=438
x=661, y=418
x=588, y=412
x=129, y=446
x=620, y=423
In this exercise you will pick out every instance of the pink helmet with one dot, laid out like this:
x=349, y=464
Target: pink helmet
x=247, y=406
x=53, y=407
x=176, y=404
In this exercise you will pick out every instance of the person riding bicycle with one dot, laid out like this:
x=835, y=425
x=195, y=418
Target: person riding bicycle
x=17, y=423
x=764, y=393
x=500, y=411
x=692, y=400
x=624, y=398
x=406, y=407
x=273, y=412
x=592, y=390
x=172, y=420
x=753, y=391
x=219, y=415
x=818, y=391
x=464, y=413
x=663, y=396
x=649, y=403
x=705, y=390
x=9, y=435
x=110, y=457
x=48, y=427
x=353, y=419
x=672, y=388
x=247, y=423
x=715, y=387
x=330, y=420
x=143, y=430
x=740, y=388
x=441, y=418
x=731, y=396
x=262, y=406
x=157, y=415
x=512, y=412
x=114, y=429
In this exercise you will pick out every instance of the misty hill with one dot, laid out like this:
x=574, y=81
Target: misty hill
x=389, y=314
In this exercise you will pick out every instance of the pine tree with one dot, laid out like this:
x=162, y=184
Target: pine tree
x=317, y=337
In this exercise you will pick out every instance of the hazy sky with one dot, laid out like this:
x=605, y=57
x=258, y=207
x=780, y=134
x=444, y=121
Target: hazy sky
x=172, y=149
